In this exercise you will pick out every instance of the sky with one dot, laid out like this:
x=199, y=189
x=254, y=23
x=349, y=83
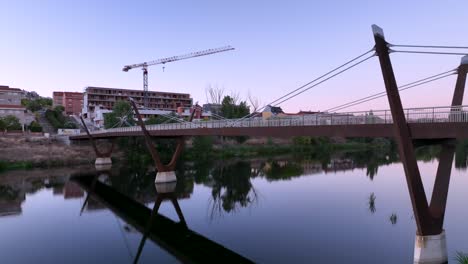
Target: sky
x=48, y=46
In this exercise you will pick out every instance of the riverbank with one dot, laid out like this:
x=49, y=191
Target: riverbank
x=27, y=153
x=204, y=147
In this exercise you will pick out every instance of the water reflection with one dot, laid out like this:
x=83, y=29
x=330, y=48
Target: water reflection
x=174, y=237
x=393, y=218
x=371, y=202
x=232, y=186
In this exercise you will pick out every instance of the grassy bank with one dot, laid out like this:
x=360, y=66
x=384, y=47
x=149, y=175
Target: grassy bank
x=6, y=166
x=248, y=151
x=25, y=165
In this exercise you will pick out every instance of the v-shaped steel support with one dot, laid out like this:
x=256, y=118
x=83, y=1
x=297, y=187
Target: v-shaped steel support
x=429, y=218
x=99, y=154
x=152, y=148
x=160, y=197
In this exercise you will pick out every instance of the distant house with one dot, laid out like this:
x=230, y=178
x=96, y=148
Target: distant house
x=71, y=101
x=213, y=108
x=272, y=111
x=10, y=104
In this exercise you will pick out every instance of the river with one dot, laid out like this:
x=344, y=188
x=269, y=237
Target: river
x=265, y=210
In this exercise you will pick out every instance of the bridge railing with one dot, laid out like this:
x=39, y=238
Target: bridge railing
x=413, y=115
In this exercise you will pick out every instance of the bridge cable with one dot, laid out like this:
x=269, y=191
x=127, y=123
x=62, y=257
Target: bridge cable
x=429, y=52
x=400, y=88
x=376, y=96
x=314, y=80
x=427, y=46
x=326, y=79
x=324, y=75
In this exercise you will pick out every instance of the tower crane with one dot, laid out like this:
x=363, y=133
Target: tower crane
x=144, y=66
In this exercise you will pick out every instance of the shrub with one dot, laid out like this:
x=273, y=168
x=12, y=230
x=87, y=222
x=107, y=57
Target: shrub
x=57, y=119
x=35, y=127
x=11, y=122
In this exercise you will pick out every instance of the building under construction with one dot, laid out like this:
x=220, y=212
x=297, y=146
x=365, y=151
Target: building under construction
x=101, y=98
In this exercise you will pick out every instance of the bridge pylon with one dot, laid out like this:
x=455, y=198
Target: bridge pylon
x=166, y=172
x=430, y=244
x=103, y=159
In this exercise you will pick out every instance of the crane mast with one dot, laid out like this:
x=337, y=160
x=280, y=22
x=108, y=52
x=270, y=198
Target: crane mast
x=144, y=65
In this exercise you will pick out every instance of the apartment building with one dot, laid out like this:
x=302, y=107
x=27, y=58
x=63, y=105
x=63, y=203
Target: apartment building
x=71, y=101
x=10, y=96
x=10, y=104
x=98, y=99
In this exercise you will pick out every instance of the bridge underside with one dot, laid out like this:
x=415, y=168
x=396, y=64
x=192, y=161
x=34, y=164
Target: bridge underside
x=417, y=131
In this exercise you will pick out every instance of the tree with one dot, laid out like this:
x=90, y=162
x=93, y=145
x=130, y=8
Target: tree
x=57, y=119
x=36, y=104
x=214, y=94
x=230, y=109
x=35, y=127
x=161, y=119
x=121, y=115
x=202, y=146
x=254, y=102
x=11, y=122
x=59, y=109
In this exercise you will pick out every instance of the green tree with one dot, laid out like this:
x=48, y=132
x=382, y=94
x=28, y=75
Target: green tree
x=202, y=146
x=160, y=120
x=59, y=109
x=121, y=115
x=34, y=105
x=2, y=125
x=11, y=122
x=229, y=108
x=57, y=119
x=35, y=127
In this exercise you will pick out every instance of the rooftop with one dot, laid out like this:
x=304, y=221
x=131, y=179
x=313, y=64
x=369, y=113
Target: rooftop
x=130, y=90
x=7, y=88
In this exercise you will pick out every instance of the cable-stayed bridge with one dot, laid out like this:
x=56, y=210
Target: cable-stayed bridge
x=435, y=125
x=424, y=123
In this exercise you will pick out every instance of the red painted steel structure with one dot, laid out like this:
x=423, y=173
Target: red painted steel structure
x=429, y=219
x=99, y=154
x=417, y=130
x=152, y=148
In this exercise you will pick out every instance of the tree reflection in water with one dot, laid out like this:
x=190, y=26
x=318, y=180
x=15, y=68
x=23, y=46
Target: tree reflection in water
x=231, y=188
x=393, y=218
x=371, y=202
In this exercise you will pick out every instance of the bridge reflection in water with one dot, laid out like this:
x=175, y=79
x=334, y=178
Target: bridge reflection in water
x=230, y=183
x=174, y=237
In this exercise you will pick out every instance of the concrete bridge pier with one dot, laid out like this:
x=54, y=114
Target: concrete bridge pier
x=102, y=167
x=165, y=177
x=430, y=249
x=162, y=188
x=103, y=161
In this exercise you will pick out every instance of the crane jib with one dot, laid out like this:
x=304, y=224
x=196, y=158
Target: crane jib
x=177, y=58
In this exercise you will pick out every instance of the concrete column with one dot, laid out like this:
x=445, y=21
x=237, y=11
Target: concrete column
x=168, y=187
x=103, y=168
x=103, y=161
x=165, y=176
x=430, y=249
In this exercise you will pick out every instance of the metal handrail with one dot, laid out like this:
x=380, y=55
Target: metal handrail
x=436, y=114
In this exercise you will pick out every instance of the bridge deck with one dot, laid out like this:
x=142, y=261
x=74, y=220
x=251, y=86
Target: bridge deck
x=424, y=123
x=418, y=131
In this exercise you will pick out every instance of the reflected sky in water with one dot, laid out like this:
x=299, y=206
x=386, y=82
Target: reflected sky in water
x=267, y=211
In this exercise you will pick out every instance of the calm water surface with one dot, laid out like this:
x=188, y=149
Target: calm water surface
x=267, y=211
